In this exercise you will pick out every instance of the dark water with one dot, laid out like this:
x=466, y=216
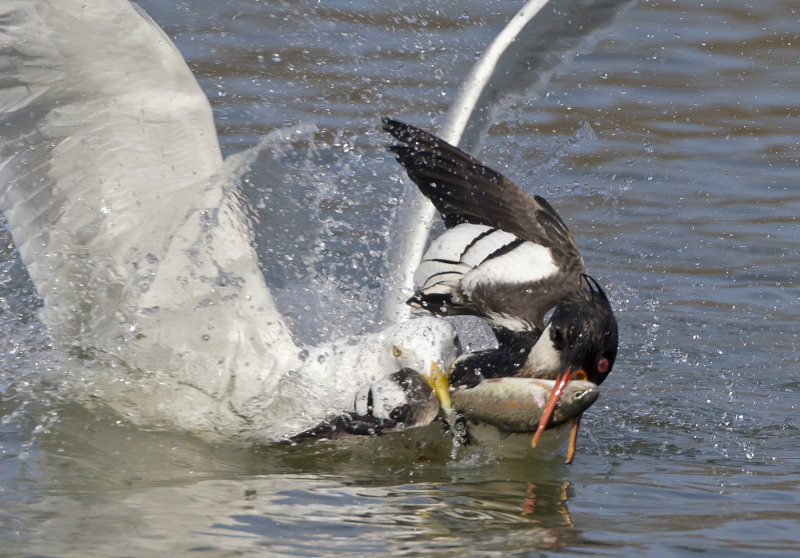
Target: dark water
x=672, y=152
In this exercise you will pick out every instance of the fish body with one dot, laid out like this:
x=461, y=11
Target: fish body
x=516, y=404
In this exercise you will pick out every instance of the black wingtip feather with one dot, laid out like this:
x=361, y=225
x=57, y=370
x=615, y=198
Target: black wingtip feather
x=439, y=304
x=400, y=130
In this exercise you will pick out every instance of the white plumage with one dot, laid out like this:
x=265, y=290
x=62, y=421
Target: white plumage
x=524, y=263
x=470, y=256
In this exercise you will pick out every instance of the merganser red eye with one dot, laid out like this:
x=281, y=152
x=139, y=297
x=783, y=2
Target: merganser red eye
x=602, y=365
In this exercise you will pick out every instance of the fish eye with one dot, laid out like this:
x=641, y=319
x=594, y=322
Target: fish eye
x=396, y=351
x=603, y=365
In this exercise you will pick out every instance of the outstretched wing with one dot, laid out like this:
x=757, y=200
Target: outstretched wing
x=518, y=64
x=464, y=190
x=108, y=143
x=116, y=194
x=507, y=256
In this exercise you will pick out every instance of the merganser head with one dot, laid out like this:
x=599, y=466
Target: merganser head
x=583, y=330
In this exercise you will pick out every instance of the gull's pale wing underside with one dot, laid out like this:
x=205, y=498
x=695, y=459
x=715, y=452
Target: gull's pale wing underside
x=538, y=40
x=106, y=138
x=98, y=128
x=117, y=197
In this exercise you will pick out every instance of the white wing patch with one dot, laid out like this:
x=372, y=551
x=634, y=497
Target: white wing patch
x=451, y=244
x=525, y=263
x=469, y=255
x=485, y=244
x=442, y=266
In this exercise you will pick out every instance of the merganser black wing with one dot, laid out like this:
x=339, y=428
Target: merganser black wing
x=507, y=256
x=464, y=190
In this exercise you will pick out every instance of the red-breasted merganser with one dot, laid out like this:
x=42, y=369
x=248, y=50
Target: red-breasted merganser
x=510, y=259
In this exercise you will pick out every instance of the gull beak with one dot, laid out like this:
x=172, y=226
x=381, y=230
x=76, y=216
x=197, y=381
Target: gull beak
x=440, y=386
x=558, y=389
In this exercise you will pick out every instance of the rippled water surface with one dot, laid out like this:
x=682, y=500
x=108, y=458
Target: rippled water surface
x=671, y=150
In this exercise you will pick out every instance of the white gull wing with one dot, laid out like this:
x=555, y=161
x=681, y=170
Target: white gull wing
x=114, y=189
x=108, y=141
x=519, y=63
x=536, y=42
x=117, y=197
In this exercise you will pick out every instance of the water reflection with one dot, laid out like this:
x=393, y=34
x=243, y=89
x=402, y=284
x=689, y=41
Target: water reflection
x=530, y=507
x=467, y=517
x=398, y=494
